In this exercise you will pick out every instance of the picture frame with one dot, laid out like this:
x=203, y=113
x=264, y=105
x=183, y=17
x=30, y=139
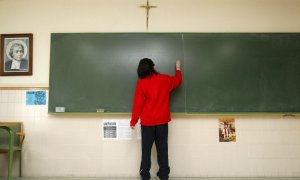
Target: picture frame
x=16, y=54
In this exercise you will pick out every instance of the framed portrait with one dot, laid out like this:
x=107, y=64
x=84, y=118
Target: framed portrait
x=16, y=54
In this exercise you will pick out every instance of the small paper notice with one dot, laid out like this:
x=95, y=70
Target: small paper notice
x=36, y=98
x=138, y=131
x=227, y=130
x=109, y=129
x=116, y=129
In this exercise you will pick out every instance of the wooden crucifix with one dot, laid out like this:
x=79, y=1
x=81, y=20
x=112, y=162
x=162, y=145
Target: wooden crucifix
x=147, y=7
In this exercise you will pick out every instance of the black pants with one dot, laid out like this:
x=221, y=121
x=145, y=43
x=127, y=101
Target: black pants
x=159, y=135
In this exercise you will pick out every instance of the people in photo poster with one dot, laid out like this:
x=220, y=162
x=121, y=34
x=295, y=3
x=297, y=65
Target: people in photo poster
x=16, y=52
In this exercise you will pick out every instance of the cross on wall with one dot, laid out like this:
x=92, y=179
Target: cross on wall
x=147, y=7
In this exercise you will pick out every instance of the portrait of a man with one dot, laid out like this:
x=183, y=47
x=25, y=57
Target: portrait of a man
x=16, y=52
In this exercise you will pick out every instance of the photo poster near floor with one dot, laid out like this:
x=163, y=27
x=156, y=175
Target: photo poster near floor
x=227, y=131
x=36, y=98
x=116, y=129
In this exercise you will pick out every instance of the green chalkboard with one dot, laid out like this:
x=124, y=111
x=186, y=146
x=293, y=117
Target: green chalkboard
x=242, y=72
x=222, y=72
x=91, y=71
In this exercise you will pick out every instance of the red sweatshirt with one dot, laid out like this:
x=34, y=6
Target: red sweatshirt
x=151, y=99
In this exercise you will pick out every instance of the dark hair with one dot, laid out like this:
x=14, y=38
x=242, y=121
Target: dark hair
x=146, y=68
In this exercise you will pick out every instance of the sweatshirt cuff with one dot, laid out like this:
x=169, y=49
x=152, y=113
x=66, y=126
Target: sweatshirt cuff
x=133, y=122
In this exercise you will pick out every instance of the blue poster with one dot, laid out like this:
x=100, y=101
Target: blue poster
x=36, y=98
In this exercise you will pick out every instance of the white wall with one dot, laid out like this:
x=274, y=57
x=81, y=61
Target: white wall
x=73, y=146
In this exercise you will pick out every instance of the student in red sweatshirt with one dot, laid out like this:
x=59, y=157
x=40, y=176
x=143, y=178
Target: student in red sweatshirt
x=151, y=105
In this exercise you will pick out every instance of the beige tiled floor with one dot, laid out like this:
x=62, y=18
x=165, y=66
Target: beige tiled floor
x=126, y=178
